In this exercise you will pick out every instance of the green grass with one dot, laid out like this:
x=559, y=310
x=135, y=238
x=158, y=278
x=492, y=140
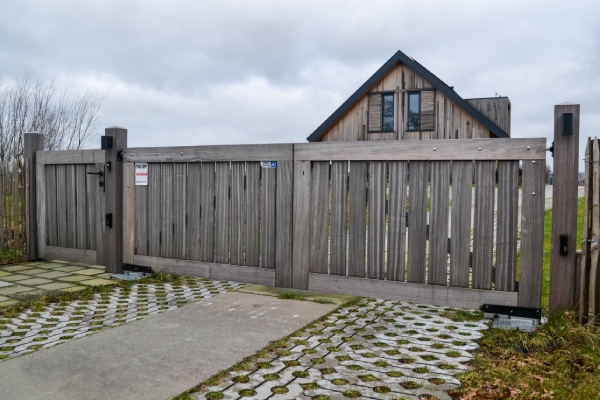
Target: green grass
x=560, y=361
x=12, y=256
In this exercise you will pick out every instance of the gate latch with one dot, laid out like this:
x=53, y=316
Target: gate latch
x=100, y=174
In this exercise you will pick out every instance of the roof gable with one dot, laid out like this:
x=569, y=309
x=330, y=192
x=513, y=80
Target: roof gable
x=436, y=82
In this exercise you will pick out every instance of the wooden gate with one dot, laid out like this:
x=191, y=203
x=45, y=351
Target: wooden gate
x=448, y=222
x=70, y=205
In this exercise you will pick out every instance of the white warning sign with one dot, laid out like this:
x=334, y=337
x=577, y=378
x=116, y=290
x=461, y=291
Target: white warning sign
x=141, y=174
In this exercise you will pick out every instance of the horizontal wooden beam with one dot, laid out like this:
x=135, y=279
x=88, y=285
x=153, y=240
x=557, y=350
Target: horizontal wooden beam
x=70, y=157
x=72, y=255
x=222, y=272
x=244, y=152
x=423, y=150
x=414, y=292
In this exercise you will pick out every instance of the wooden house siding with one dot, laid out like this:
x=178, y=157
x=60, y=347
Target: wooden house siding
x=451, y=121
x=496, y=109
x=452, y=117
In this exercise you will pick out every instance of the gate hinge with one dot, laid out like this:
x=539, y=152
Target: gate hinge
x=120, y=155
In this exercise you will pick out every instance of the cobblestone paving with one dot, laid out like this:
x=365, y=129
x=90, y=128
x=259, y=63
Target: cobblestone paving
x=27, y=281
x=60, y=322
x=375, y=350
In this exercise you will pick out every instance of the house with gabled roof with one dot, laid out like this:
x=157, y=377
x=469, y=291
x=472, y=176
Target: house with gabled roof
x=403, y=100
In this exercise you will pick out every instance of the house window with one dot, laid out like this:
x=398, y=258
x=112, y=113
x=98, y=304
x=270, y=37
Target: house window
x=421, y=110
x=381, y=112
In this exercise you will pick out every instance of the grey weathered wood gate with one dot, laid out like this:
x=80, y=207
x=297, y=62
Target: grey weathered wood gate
x=430, y=221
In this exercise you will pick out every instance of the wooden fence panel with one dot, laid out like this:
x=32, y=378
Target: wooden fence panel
x=82, y=206
x=532, y=233
x=179, y=210
x=222, y=213
x=207, y=213
x=319, y=203
x=460, y=244
x=253, y=214
x=284, y=249
x=166, y=210
x=339, y=207
x=438, y=223
x=51, y=209
x=238, y=215
x=141, y=220
x=506, y=241
x=376, y=220
x=417, y=221
x=269, y=218
x=61, y=205
x=397, y=221
x=483, y=230
x=193, y=205
x=71, y=209
x=357, y=228
x=154, y=209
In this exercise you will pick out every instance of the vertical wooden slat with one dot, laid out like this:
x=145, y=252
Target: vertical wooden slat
x=438, y=223
x=593, y=311
x=207, y=212
x=483, y=229
x=141, y=220
x=532, y=234
x=193, y=202
x=253, y=214
x=268, y=233
x=396, y=221
x=154, y=210
x=14, y=226
x=222, y=213
x=283, y=250
x=460, y=230
x=319, y=204
x=586, y=234
x=82, y=206
x=129, y=222
x=417, y=220
x=91, y=208
x=61, y=205
x=507, y=221
x=301, y=237
x=339, y=207
x=51, y=193
x=238, y=215
x=71, y=204
x=357, y=229
x=41, y=209
x=376, y=220
x=179, y=208
x=166, y=210
x=99, y=223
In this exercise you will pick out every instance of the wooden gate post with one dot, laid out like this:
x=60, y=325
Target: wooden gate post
x=32, y=142
x=113, y=197
x=564, y=207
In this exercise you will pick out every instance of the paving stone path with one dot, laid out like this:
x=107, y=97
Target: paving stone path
x=59, y=322
x=27, y=281
x=375, y=350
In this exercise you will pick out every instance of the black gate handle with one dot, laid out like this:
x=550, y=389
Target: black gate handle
x=96, y=173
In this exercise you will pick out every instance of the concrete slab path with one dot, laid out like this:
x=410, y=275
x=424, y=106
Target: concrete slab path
x=159, y=356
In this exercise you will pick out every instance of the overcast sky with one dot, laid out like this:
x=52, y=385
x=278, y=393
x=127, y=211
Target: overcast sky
x=218, y=72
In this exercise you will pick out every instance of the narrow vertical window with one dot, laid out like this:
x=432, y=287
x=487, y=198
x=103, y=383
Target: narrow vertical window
x=387, y=116
x=414, y=111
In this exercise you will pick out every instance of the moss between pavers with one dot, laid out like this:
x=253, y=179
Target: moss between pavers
x=97, y=282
